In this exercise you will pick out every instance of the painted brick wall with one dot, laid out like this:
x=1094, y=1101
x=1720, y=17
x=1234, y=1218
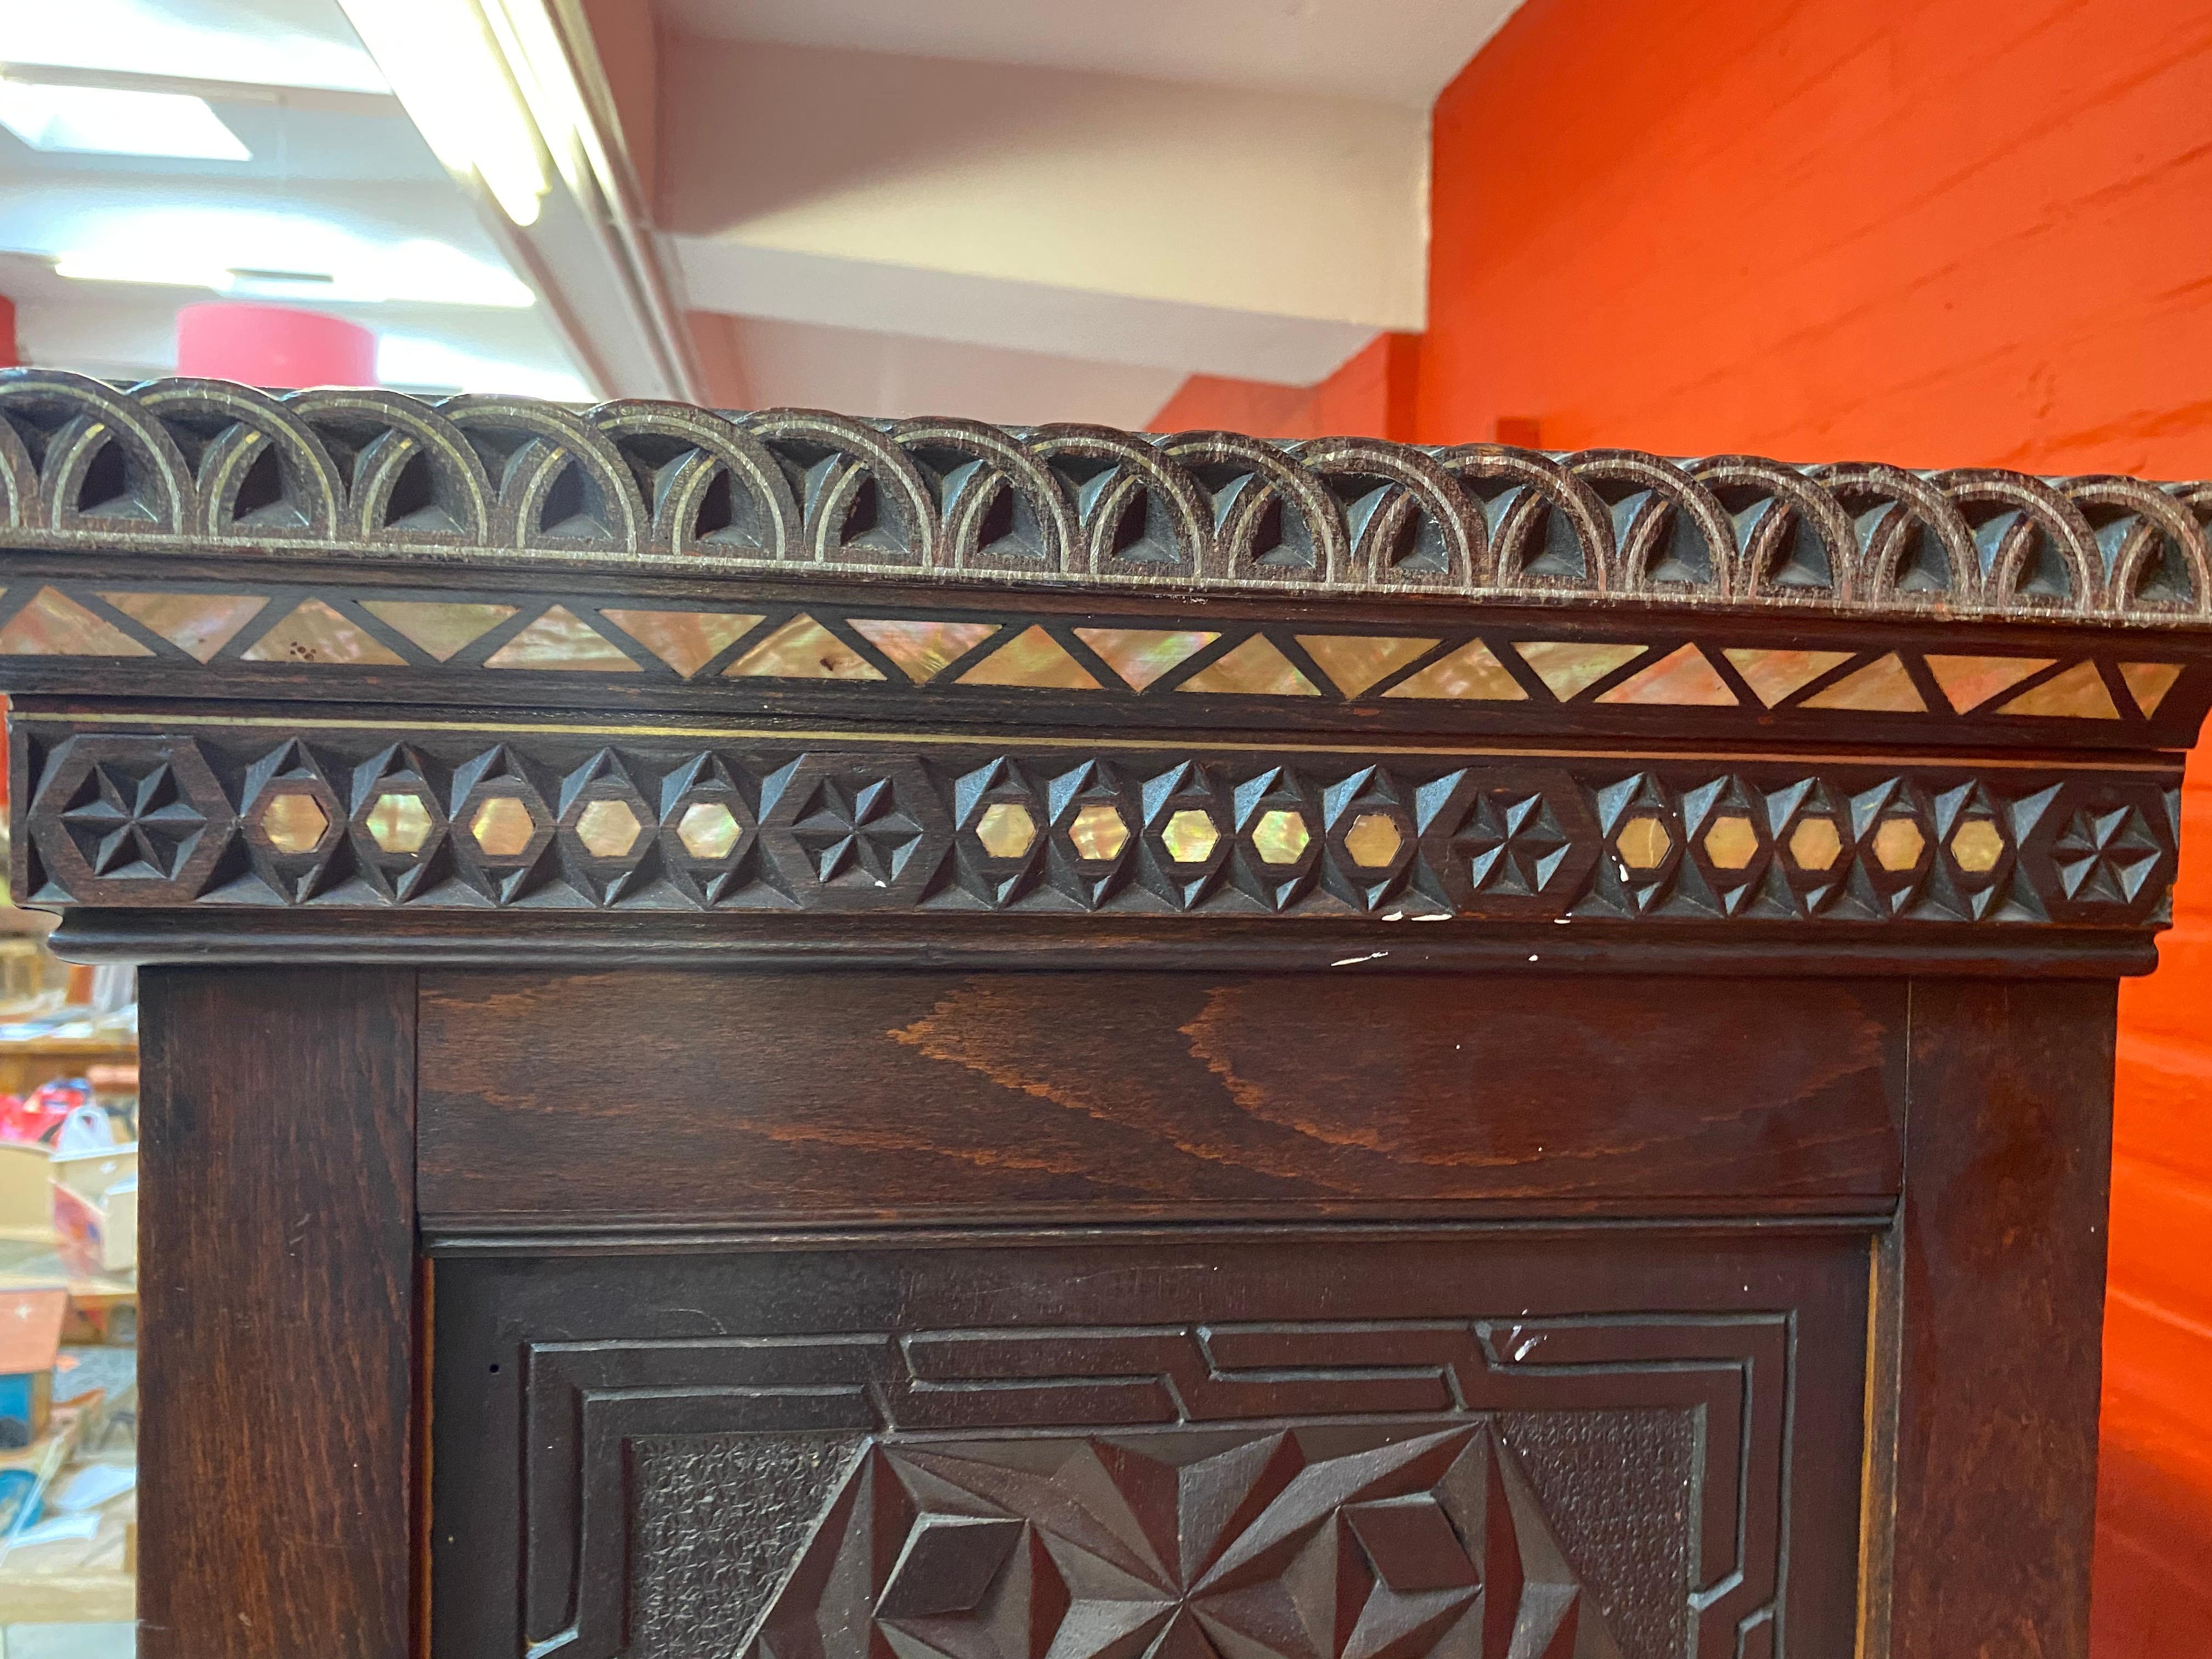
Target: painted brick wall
x=1946, y=232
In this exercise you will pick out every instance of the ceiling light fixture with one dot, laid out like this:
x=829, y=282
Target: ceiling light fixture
x=104, y=121
x=241, y=255
x=439, y=58
x=139, y=265
x=287, y=46
x=531, y=49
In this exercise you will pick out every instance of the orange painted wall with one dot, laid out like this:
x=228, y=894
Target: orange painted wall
x=1947, y=232
x=1370, y=397
x=1943, y=233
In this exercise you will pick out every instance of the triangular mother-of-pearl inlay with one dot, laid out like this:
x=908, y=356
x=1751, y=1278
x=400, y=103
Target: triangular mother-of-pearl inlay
x=315, y=633
x=1356, y=661
x=1256, y=668
x=1772, y=675
x=1568, y=667
x=1470, y=674
x=922, y=648
x=1969, y=682
x=802, y=649
x=2079, y=693
x=1882, y=687
x=561, y=639
x=197, y=625
x=1141, y=655
x=1682, y=678
x=54, y=625
x=2147, y=683
x=441, y=629
x=1033, y=659
x=687, y=641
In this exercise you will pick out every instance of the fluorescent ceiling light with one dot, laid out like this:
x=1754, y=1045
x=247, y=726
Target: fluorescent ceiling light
x=290, y=257
x=438, y=57
x=104, y=265
x=100, y=121
x=277, y=45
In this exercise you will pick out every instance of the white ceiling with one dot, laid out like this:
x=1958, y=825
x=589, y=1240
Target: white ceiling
x=1398, y=52
x=896, y=199
x=1023, y=210
x=973, y=180
x=338, y=183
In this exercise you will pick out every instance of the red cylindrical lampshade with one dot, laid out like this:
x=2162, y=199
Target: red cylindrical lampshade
x=273, y=346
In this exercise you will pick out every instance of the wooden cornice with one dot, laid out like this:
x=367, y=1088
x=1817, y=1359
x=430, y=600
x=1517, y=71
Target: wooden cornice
x=206, y=468
x=348, y=654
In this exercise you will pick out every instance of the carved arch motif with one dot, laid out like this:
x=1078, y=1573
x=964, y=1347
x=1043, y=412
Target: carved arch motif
x=1000, y=506
x=172, y=463
x=256, y=468
x=1547, y=528
x=1914, y=547
x=710, y=485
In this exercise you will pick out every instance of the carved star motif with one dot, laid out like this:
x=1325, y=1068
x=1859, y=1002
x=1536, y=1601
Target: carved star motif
x=2106, y=856
x=856, y=831
x=1180, y=1547
x=1512, y=843
x=131, y=821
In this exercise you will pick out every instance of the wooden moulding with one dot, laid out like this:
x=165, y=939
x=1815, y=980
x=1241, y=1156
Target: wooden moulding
x=444, y=760
x=343, y=673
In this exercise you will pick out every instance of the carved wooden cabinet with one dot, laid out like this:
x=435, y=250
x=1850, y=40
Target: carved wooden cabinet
x=784, y=1037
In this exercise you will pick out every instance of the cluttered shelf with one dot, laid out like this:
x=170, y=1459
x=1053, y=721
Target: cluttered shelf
x=69, y=1293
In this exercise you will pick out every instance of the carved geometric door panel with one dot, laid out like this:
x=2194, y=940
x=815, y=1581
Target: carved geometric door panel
x=1324, y=1541
x=1159, y=1449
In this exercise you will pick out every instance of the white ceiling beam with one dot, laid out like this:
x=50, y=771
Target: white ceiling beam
x=1399, y=51
x=766, y=364
x=934, y=304
x=1131, y=221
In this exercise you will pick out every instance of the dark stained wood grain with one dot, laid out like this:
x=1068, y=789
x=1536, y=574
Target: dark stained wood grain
x=673, y=1097
x=565, y=1386
x=2001, y=1297
x=279, y=1307
x=867, y=1126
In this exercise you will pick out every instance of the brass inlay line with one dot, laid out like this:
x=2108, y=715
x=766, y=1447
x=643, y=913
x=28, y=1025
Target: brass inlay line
x=154, y=723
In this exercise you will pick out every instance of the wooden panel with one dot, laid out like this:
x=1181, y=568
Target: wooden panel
x=2001, y=1290
x=594, y=1098
x=279, y=1315
x=1646, y=1443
